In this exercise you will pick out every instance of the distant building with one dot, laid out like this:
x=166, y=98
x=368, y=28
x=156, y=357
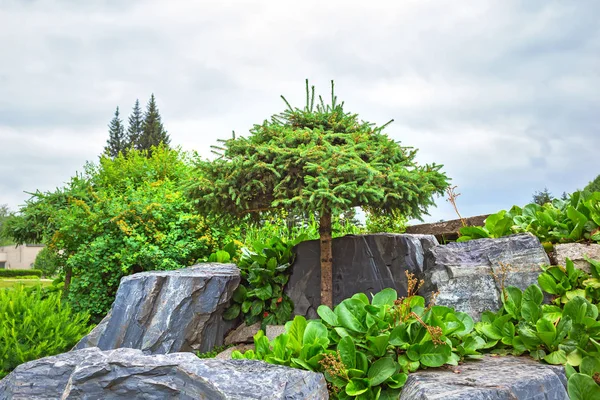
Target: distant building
x=19, y=257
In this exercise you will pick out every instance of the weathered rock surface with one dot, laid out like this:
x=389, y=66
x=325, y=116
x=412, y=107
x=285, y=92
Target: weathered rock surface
x=361, y=263
x=168, y=311
x=469, y=275
x=575, y=252
x=498, y=378
x=242, y=334
x=130, y=374
x=272, y=331
x=447, y=230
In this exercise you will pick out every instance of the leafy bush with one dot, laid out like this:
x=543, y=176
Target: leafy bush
x=32, y=327
x=12, y=273
x=48, y=262
x=367, y=348
x=572, y=220
x=265, y=271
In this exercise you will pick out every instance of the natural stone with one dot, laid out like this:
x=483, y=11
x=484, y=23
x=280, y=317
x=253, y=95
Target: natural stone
x=498, y=378
x=272, y=331
x=226, y=354
x=361, y=263
x=575, y=252
x=242, y=334
x=447, y=230
x=132, y=375
x=168, y=311
x=469, y=276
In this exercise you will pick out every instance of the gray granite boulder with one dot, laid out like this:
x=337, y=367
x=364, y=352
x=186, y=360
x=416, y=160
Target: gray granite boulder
x=130, y=374
x=361, y=263
x=498, y=378
x=576, y=252
x=469, y=275
x=168, y=311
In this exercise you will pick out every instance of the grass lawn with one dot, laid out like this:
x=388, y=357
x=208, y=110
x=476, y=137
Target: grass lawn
x=10, y=282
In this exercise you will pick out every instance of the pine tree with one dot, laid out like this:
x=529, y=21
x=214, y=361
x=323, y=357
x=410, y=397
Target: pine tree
x=117, y=142
x=153, y=132
x=134, y=130
x=321, y=160
x=542, y=197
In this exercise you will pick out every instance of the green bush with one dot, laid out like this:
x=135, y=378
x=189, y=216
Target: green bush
x=12, y=273
x=32, y=327
x=367, y=348
x=48, y=262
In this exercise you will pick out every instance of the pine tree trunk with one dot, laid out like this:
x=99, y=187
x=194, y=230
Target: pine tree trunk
x=68, y=273
x=326, y=260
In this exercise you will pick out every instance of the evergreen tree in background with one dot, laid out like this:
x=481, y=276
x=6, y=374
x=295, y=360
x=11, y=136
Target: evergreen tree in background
x=153, y=132
x=117, y=142
x=542, y=197
x=136, y=122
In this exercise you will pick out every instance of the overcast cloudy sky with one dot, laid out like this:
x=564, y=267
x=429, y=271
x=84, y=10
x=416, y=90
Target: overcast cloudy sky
x=505, y=94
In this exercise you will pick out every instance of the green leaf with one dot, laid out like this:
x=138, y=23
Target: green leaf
x=327, y=315
x=239, y=294
x=357, y=386
x=351, y=314
x=396, y=381
x=347, y=351
x=264, y=292
x=232, y=312
x=385, y=297
x=256, y=308
x=534, y=294
x=296, y=333
x=558, y=357
x=548, y=284
x=313, y=332
x=590, y=365
x=546, y=331
x=432, y=355
x=381, y=370
x=583, y=387
x=378, y=344
x=512, y=301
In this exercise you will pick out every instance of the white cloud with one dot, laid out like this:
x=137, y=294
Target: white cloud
x=503, y=93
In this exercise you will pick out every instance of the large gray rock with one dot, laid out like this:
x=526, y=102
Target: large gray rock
x=469, y=275
x=497, y=378
x=361, y=263
x=575, y=252
x=130, y=374
x=168, y=311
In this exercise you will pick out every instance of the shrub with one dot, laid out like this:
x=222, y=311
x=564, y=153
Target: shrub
x=13, y=273
x=48, y=262
x=32, y=327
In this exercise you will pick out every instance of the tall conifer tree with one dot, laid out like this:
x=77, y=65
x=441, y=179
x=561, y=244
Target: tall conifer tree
x=136, y=122
x=153, y=132
x=117, y=142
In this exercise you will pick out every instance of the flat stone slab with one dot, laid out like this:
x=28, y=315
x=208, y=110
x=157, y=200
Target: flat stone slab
x=130, y=374
x=497, y=378
x=469, y=275
x=163, y=312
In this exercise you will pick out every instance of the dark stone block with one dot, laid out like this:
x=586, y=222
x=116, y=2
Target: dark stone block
x=361, y=263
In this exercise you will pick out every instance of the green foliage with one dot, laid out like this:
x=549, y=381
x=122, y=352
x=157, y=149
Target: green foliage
x=125, y=215
x=393, y=223
x=135, y=127
x=561, y=221
x=117, y=141
x=32, y=327
x=317, y=159
x=367, y=348
x=264, y=269
x=11, y=273
x=5, y=214
x=48, y=262
x=213, y=353
x=593, y=186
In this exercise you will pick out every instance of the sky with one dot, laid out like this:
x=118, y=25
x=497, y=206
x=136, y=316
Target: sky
x=505, y=94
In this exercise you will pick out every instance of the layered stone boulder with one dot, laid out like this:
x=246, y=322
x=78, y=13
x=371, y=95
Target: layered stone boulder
x=361, y=263
x=469, y=276
x=163, y=312
x=498, y=378
x=130, y=374
x=576, y=252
